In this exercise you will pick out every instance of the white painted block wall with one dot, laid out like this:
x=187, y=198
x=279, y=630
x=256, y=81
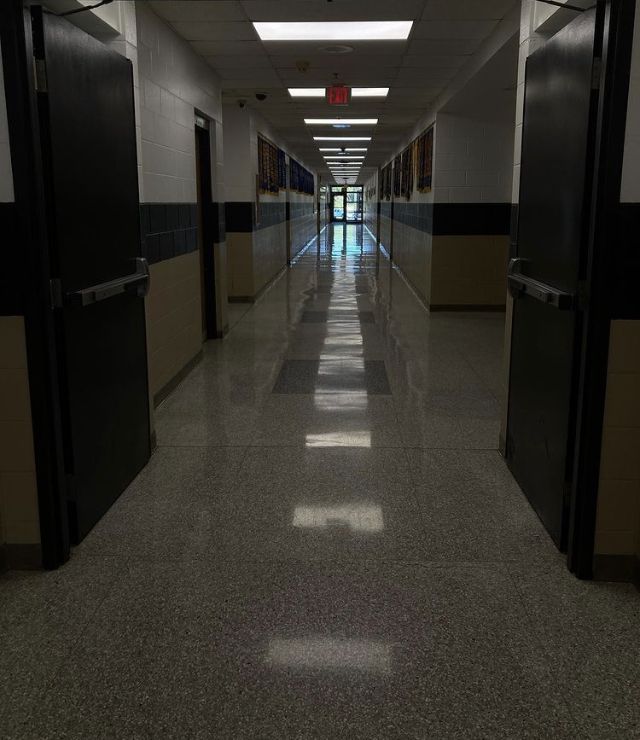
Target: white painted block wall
x=173, y=81
x=473, y=160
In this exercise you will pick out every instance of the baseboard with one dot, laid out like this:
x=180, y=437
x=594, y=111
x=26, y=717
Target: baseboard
x=617, y=568
x=169, y=387
x=20, y=557
x=478, y=307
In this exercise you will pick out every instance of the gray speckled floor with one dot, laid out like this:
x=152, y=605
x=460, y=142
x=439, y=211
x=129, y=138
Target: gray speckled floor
x=326, y=544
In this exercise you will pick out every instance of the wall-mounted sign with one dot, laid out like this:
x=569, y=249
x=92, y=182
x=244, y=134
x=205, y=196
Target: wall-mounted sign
x=338, y=95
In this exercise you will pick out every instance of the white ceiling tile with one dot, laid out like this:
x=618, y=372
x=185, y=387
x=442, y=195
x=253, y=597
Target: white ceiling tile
x=199, y=10
x=250, y=76
x=224, y=31
x=444, y=47
x=307, y=49
x=468, y=9
x=227, y=48
x=452, y=29
x=347, y=61
x=321, y=10
x=237, y=62
x=427, y=61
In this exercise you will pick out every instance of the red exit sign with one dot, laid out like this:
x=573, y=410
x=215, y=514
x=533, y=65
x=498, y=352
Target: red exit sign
x=338, y=95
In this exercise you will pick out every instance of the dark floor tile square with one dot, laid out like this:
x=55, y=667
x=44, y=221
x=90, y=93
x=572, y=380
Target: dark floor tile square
x=366, y=317
x=376, y=380
x=297, y=376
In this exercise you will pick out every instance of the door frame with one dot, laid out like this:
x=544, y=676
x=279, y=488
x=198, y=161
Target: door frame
x=331, y=209
x=203, y=127
x=614, y=47
x=31, y=230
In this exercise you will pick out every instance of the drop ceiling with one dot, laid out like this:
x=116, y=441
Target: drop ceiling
x=445, y=34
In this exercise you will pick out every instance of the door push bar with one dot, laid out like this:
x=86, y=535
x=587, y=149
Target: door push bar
x=137, y=282
x=521, y=285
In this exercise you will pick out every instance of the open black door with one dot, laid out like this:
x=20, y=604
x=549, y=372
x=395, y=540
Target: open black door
x=98, y=278
x=558, y=152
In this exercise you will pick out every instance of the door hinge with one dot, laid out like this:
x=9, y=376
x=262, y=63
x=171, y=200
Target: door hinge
x=55, y=292
x=596, y=73
x=40, y=75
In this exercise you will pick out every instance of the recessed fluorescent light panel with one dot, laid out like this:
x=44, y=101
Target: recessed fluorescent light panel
x=344, y=156
x=341, y=121
x=342, y=138
x=356, y=92
x=307, y=92
x=369, y=92
x=334, y=31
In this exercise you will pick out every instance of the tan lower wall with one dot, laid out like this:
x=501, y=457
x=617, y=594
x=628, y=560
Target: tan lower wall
x=385, y=232
x=412, y=254
x=469, y=270
x=19, y=519
x=618, y=514
x=254, y=259
x=269, y=254
x=240, y=264
x=220, y=268
x=174, y=318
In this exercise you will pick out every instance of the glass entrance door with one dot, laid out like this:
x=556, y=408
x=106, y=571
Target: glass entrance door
x=337, y=206
x=354, y=204
x=346, y=204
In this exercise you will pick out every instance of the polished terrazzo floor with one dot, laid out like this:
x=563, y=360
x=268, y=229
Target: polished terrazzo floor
x=325, y=544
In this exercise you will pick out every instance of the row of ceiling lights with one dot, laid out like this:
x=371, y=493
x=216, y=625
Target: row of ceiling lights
x=339, y=164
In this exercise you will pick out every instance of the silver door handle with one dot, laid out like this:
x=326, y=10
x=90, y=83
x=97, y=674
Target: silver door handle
x=137, y=282
x=520, y=285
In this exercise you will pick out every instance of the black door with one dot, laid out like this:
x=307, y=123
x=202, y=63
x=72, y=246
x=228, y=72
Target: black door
x=544, y=276
x=86, y=110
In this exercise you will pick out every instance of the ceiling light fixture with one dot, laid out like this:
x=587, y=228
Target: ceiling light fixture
x=343, y=156
x=307, y=92
x=334, y=30
x=342, y=138
x=341, y=121
x=343, y=149
x=369, y=92
x=356, y=92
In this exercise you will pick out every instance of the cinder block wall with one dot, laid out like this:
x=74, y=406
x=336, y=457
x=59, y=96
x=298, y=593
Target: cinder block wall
x=173, y=82
x=473, y=168
x=263, y=230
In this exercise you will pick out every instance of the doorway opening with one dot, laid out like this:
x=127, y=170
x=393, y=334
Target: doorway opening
x=347, y=204
x=206, y=232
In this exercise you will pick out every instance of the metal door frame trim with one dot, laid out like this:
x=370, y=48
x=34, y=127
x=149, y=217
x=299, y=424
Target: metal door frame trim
x=617, y=23
x=28, y=182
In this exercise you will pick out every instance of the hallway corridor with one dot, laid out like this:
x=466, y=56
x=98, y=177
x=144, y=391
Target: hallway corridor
x=325, y=544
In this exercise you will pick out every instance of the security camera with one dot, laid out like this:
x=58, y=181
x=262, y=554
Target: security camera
x=261, y=96
x=242, y=103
